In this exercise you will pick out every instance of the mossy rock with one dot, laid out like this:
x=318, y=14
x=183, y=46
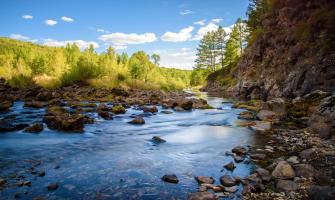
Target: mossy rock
x=118, y=109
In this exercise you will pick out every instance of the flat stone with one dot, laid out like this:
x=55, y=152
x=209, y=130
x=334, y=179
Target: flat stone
x=283, y=170
x=258, y=156
x=204, y=179
x=171, y=178
x=137, y=120
x=227, y=181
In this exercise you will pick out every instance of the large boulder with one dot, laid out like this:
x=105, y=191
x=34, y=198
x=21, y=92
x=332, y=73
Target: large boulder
x=60, y=119
x=305, y=170
x=276, y=105
x=322, y=120
x=283, y=170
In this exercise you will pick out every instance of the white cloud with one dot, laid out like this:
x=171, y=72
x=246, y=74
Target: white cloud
x=183, y=35
x=27, y=17
x=124, y=38
x=182, y=58
x=205, y=29
x=50, y=22
x=186, y=12
x=200, y=22
x=100, y=30
x=18, y=37
x=81, y=43
x=67, y=19
x=217, y=20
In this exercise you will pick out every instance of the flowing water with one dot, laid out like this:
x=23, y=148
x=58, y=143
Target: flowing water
x=116, y=160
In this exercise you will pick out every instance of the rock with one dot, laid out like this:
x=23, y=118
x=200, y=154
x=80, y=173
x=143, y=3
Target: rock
x=105, y=115
x=267, y=115
x=322, y=120
x=264, y=174
x=6, y=126
x=293, y=160
x=202, y=196
x=276, y=105
x=21, y=126
x=286, y=186
x=204, y=179
x=202, y=188
x=258, y=156
x=2, y=181
x=157, y=139
x=118, y=109
x=166, y=112
x=178, y=108
x=60, y=119
x=247, y=115
x=41, y=174
x=171, y=178
x=34, y=104
x=321, y=193
x=230, y=166
x=305, y=170
x=260, y=126
x=137, y=120
x=283, y=170
x=227, y=181
x=52, y=186
x=5, y=106
x=316, y=95
x=232, y=189
x=152, y=109
x=239, y=150
x=185, y=104
x=307, y=154
x=35, y=128
x=238, y=159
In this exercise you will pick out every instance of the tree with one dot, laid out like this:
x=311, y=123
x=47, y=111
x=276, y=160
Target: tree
x=221, y=37
x=207, y=52
x=156, y=58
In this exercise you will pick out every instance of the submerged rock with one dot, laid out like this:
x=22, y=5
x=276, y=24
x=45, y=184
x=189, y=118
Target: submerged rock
x=204, y=179
x=171, y=178
x=35, y=128
x=202, y=196
x=166, y=112
x=6, y=126
x=157, y=139
x=283, y=170
x=137, y=120
x=52, y=186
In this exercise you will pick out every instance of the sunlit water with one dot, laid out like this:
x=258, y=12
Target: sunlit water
x=116, y=160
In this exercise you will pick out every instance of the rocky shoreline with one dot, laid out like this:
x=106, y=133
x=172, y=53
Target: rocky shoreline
x=295, y=159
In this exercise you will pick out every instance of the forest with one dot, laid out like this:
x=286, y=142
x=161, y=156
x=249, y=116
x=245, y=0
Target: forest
x=24, y=63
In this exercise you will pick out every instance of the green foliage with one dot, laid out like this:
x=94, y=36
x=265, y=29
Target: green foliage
x=23, y=64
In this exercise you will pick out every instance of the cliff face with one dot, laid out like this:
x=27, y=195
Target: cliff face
x=291, y=55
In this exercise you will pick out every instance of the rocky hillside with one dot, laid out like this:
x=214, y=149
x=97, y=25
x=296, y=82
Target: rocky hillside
x=290, y=55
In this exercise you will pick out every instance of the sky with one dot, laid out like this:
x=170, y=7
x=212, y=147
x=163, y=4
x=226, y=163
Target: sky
x=170, y=28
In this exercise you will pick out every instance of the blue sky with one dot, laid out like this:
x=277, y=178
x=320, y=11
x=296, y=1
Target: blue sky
x=170, y=28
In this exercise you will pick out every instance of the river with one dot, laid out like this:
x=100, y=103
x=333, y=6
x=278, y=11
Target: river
x=116, y=160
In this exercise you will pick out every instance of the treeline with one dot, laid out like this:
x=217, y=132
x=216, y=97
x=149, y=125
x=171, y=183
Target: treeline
x=219, y=50
x=23, y=64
